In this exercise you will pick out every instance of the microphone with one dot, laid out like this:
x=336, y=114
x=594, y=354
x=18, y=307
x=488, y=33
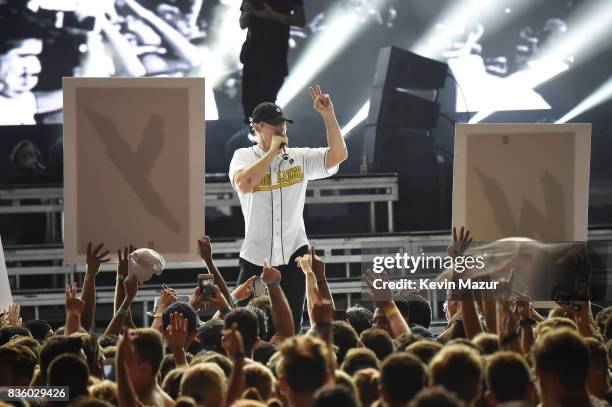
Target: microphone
x=284, y=153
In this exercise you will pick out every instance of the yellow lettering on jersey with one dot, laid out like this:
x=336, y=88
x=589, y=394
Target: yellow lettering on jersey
x=286, y=178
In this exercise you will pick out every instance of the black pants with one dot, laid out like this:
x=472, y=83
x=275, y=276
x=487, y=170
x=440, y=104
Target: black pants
x=293, y=283
x=260, y=83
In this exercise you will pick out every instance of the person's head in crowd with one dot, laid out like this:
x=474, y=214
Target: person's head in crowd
x=263, y=303
x=378, y=341
x=436, y=396
x=334, y=397
x=424, y=350
x=189, y=313
x=248, y=327
x=71, y=371
x=406, y=339
x=552, y=323
x=105, y=390
x=26, y=157
x=367, y=382
x=168, y=364
x=459, y=369
x=602, y=318
x=359, y=358
x=264, y=351
x=55, y=346
x=40, y=330
x=149, y=348
x=486, y=343
x=559, y=312
x=360, y=318
x=9, y=332
x=380, y=321
x=171, y=383
x=464, y=342
x=422, y=332
x=209, y=335
x=344, y=379
x=213, y=357
x=93, y=353
x=303, y=369
x=17, y=365
x=205, y=383
x=261, y=321
x=415, y=310
x=345, y=338
x=508, y=379
x=27, y=342
x=402, y=376
x=561, y=362
x=260, y=377
x=598, y=381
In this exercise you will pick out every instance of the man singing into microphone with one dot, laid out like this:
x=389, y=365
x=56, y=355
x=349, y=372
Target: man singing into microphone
x=271, y=181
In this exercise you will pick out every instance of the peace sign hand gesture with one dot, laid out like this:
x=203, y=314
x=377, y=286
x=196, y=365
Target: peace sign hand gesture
x=322, y=102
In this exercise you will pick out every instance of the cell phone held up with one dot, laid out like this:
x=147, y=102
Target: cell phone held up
x=206, y=284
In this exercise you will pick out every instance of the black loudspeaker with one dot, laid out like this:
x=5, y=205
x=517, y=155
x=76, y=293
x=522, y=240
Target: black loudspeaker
x=399, y=68
x=409, y=153
x=397, y=134
x=401, y=76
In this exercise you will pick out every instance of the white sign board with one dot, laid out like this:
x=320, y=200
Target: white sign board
x=527, y=180
x=134, y=165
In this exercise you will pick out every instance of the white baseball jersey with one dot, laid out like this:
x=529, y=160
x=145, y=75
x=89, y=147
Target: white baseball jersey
x=273, y=210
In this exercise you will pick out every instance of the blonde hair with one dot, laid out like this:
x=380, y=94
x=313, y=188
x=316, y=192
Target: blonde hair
x=367, y=382
x=444, y=368
x=260, y=377
x=104, y=390
x=205, y=383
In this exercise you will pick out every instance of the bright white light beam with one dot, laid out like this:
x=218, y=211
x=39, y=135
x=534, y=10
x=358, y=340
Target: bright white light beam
x=361, y=115
x=601, y=95
x=340, y=29
x=590, y=28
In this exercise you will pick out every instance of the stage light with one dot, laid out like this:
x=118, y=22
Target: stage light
x=361, y=115
x=341, y=27
x=590, y=28
x=453, y=21
x=448, y=27
x=601, y=95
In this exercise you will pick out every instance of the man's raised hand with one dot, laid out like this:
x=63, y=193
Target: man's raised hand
x=74, y=305
x=122, y=268
x=244, y=290
x=177, y=331
x=205, y=248
x=95, y=258
x=269, y=273
x=322, y=102
x=459, y=244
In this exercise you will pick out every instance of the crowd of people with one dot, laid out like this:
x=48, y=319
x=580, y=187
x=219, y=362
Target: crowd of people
x=501, y=352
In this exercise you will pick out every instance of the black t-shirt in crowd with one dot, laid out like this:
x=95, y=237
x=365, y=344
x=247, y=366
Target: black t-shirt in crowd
x=268, y=40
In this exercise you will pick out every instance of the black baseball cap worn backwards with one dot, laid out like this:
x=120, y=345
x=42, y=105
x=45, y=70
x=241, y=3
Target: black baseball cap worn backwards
x=270, y=113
